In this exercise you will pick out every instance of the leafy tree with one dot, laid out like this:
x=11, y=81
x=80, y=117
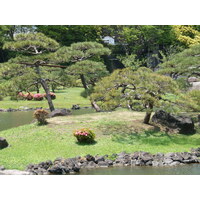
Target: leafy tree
x=187, y=35
x=128, y=88
x=24, y=71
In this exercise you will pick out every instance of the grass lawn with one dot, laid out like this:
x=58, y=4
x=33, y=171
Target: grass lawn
x=64, y=99
x=116, y=131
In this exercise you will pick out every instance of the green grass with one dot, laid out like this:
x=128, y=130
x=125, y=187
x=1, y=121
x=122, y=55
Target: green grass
x=64, y=99
x=117, y=131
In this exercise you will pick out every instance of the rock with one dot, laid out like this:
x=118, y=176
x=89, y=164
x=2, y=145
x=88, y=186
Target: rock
x=58, y=169
x=175, y=163
x=3, y=143
x=183, y=124
x=186, y=155
x=196, y=151
x=146, y=157
x=91, y=164
x=149, y=163
x=76, y=107
x=192, y=79
x=60, y=112
x=2, y=168
x=169, y=155
x=195, y=86
x=99, y=158
x=167, y=161
x=90, y=158
x=103, y=164
x=156, y=163
x=110, y=162
x=177, y=157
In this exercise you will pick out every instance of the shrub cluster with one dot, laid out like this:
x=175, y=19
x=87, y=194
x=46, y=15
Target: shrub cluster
x=84, y=135
x=41, y=115
x=37, y=97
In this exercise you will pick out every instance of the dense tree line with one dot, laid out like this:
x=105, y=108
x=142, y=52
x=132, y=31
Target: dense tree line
x=48, y=56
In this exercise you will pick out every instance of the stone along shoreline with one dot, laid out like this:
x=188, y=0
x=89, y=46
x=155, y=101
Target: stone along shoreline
x=61, y=166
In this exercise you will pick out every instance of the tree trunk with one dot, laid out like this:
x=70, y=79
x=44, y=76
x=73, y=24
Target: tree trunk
x=147, y=117
x=37, y=88
x=93, y=103
x=84, y=81
x=53, y=88
x=148, y=114
x=95, y=106
x=46, y=89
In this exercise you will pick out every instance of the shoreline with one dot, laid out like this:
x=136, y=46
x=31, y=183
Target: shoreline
x=62, y=166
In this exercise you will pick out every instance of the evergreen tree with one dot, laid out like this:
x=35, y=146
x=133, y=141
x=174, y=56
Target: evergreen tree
x=24, y=71
x=128, y=88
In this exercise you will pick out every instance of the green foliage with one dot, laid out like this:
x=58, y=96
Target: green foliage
x=32, y=43
x=187, y=34
x=68, y=34
x=131, y=61
x=126, y=88
x=84, y=135
x=80, y=51
x=195, y=96
x=41, y=115
x=184, y=63
x=20, y=73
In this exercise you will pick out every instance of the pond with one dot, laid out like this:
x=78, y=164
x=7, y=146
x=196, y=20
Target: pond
x=18, y=118
x=189, y=169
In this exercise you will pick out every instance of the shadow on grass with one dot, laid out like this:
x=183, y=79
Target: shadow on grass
x=86, y=143
x=155, y=137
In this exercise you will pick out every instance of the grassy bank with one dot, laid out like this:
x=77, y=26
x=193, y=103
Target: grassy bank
x=64, y=99
x=115, y=132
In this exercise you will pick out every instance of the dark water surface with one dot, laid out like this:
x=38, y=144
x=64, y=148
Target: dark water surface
x=189, y=169
x=18, y=118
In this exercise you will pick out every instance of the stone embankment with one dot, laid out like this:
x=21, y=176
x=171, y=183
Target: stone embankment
x=74, y=165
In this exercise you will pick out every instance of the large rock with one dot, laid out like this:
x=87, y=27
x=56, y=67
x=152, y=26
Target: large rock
x=60, y=112
x=3, y=143
x=193, y=79
x=195, y=86
x=183, y=124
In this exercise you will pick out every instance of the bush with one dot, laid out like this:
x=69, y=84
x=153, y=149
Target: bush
x=84, y=135
x=28, y=96
x=53, y=96
x=38, y=97
x=41, y=116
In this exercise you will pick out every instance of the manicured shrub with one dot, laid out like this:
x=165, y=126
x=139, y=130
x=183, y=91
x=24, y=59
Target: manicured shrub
x=38, y=97
x=41, y=115
x=53, y=96
x=84, y=135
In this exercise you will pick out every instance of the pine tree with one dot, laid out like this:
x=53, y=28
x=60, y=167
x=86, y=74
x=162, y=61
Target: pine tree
x=128, y=88
x=28, y=67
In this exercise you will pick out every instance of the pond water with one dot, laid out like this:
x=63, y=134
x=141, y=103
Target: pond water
x=189, y=169
x=18, y=118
